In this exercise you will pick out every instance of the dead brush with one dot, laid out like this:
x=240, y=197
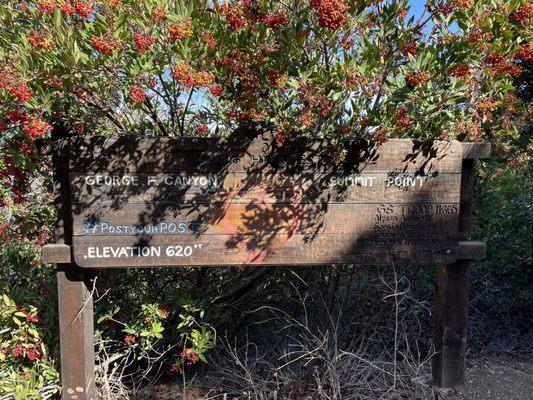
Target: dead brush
x=327, y=351
x=362, y=336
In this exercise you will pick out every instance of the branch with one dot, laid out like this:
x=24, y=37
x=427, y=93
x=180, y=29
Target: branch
x=154, y=115
x=185, y=111
x=241, y=290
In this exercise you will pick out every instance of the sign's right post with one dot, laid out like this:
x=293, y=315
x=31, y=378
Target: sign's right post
x=451, y=305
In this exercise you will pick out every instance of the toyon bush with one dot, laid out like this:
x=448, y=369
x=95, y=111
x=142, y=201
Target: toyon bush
x=331, y=69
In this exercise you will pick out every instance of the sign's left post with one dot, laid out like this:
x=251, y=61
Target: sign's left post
x=74, y=284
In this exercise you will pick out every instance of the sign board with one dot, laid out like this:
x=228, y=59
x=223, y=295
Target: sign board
x=155, y=202
x=162, y=202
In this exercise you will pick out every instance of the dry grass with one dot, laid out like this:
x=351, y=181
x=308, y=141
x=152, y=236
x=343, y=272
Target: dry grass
x=367, y=339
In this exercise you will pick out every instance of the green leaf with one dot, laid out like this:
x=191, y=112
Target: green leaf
x=58, y=19
x=121, y=21
x=76, y=52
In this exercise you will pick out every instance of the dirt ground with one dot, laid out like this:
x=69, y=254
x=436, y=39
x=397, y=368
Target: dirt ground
x=497, y=377
x=488, y=377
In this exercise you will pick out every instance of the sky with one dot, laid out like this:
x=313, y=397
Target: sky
x=417, y=6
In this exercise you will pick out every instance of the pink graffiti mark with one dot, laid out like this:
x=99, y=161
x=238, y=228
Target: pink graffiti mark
x=256, y=256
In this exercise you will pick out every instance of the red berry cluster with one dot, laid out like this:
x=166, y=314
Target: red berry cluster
x=39, y=39
x=274, y=77
x=190, y=356
x=21, y=91
x=130, y=340
x=203, y=79
x=114, y=3
x=210, y=40
x=68, y=9
x=523, y=15
x=494, y=59
x=180, y=30
x=29, y=317
x=83, y=8
x=32, y=353
x=45, y=6
x=460, y=70
x=143, y=42
x=159, y=14
x=186, y=76
x=234, y=14
x=202, y=128
x=17, y=116
x=275, y=20
x=78, y=127
x=332, y=14
x=137, y=95
x=444, y=8
x=105, y=44
x=498, y=65
x=11, y=82
x=414, y=79
x=183, y=73
x=164, y=310
x=313, y=102
x=402, y=119
x=36, y=127
x=216, y=90
x=410, y=48
x=525, y=53
x=476, y=36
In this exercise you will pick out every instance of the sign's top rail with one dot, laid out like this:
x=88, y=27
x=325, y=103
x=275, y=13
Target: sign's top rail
x=261, y=153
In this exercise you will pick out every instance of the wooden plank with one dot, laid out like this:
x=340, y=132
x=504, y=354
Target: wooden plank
x=76, y=327
x=243, y=187
x=448, y=364
x=472, y=250
x=451, y=307
x=259, y=218
x=272, y=249
x=128, y=155
x=265, y=197
x=56, y=254
x=76, y=333
x=477, y=151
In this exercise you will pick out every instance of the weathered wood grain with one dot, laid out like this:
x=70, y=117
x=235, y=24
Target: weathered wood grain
x=472, y=250
x=478, y=151
x=129, y=154
x=248, y=196
x=56, y=254
x=261, y=218
x=274, y=249
x=451, y=306
x=245, y=188
x=76, y=325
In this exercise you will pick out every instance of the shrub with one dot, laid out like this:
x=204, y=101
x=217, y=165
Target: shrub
x=331, y=69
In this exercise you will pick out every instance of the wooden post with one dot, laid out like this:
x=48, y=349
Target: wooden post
x=76, y=328
x=451, y=309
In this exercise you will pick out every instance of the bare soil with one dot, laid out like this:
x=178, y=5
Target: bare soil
x=488, y=377
x=497, y=377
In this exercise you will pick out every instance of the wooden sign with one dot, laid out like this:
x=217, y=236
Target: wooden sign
x=163, y=202
x=208, y=202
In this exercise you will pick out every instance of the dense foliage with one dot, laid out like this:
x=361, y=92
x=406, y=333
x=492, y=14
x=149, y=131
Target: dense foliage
x=327, y=68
